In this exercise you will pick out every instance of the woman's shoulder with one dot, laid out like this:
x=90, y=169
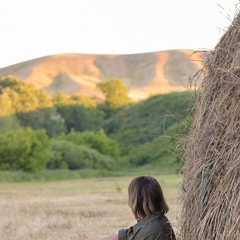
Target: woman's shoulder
x=160, y=227
x=158, y=220
x=155, y=227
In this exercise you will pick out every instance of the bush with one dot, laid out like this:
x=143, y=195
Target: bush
x=24, y=149
x=161, y=149
x=95, y=140
x=146, y=131
x=81, y=118
x=68, y=154
x=47, y=118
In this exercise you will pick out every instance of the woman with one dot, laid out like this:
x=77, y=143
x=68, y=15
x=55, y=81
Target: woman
x=145, y=198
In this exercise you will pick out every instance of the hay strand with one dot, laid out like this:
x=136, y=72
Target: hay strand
x=211, y=182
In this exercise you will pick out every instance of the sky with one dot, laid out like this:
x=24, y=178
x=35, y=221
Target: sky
x=37, y=28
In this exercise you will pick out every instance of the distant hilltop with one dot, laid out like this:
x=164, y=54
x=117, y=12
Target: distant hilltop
x=144, y=74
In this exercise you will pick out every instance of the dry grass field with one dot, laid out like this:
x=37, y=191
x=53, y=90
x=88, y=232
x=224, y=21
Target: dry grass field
x=86, y=209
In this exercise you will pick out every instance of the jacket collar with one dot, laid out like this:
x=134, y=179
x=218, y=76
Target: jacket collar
x=146, y=220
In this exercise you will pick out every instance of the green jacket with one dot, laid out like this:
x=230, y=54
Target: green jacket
x=155, y=227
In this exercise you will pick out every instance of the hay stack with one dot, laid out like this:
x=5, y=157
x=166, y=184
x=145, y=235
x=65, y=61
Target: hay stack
x=211, y=182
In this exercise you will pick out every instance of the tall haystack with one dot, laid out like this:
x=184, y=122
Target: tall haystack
x=211, y=180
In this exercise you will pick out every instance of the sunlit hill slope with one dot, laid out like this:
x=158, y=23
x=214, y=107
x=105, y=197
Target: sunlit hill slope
x=144, y=74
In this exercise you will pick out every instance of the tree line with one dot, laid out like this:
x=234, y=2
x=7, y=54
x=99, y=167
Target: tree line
x=76, y=132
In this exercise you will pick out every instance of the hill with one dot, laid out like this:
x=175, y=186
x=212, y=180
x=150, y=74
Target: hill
x=147, y=131
x=144, y=74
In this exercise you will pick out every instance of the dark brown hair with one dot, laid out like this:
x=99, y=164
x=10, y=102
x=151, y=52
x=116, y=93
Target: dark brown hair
x=145, y=197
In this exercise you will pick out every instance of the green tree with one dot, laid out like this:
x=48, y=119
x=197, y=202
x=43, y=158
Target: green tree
x=116, y=93
x=7, y=107
x=146, y=130
x=44, y=118
x=81, y=118
x=8, y=120
x=32, y=106
x=9, y=123
x=24, y=96
x=60, y=98
x=24, y=149
x=75, y=156
x=96, y=140
x=81, y=99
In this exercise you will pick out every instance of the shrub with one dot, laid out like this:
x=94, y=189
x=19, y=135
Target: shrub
x=78, y=157
x=95, y=140
x=81, y=118
x=24, y=149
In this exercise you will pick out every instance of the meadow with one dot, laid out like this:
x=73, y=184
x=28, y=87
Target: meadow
x=88, y=209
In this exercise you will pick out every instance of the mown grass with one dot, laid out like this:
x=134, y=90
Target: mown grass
x=74, y=209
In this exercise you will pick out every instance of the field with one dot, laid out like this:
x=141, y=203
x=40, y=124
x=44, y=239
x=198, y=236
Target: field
x=80, y=209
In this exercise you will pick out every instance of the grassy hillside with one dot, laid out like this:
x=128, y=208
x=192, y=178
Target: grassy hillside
x=144, y=73
x=149, y=130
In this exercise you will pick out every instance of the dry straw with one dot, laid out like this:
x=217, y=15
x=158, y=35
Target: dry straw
x=211, y=182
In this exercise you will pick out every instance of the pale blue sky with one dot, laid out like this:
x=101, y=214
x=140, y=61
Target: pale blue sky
x=36, y=28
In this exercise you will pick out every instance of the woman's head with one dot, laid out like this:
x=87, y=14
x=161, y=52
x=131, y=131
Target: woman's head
x=145, y=197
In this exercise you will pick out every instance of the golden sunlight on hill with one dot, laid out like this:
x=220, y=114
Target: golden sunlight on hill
x=144, y=74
